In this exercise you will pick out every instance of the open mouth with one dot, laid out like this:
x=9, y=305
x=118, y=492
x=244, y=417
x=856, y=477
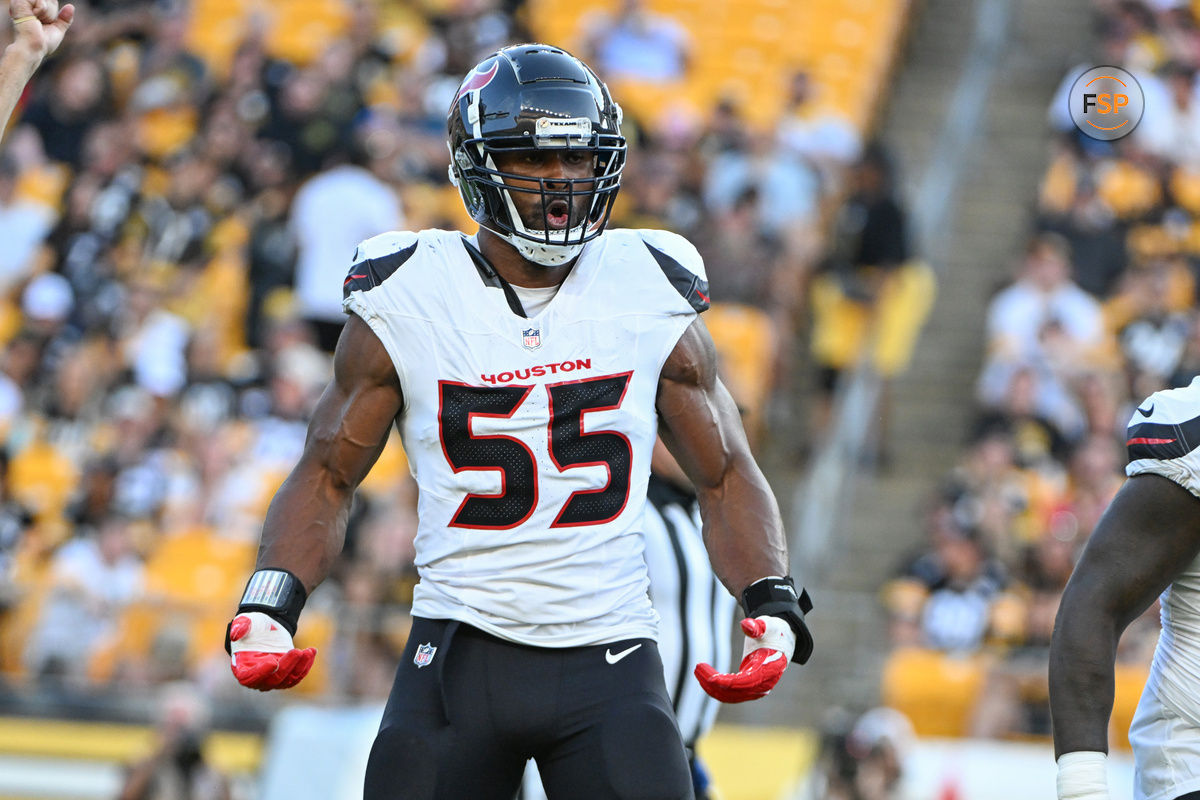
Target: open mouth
x=558, y=214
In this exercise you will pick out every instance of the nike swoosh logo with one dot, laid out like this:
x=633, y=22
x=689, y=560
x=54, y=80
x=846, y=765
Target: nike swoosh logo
x=612, y=659
x=1146, y=412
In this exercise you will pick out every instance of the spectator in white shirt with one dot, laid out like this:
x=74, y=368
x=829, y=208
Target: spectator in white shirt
x=637, y=45
x=93, y=579
x=333, y=211
x=816, y=132
x=23, y=228
x=1044, y=314
x=1170, y=128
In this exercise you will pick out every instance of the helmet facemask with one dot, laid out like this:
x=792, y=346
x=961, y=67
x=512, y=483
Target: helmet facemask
x=587, y=203
x=556, y=116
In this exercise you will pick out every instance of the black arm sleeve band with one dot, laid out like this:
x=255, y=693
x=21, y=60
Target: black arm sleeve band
x=277, y=593
x=777, y=597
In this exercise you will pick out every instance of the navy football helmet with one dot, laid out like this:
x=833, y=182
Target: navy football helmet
x=533, y=96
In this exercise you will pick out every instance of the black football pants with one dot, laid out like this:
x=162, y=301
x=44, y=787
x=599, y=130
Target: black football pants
x=597, y=720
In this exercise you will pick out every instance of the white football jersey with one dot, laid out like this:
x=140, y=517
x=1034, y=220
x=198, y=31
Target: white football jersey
x=1164, y=439
x=530, y=438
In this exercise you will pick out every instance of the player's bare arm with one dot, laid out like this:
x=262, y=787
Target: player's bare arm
x=743, y=530
x=305, y=525
x=703, y=430
x=1146, y=537
x=306, y=522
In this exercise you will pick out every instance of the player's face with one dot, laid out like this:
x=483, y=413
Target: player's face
x=555, y=168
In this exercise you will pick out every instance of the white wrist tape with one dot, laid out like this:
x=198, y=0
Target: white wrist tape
x=778, y=636
x=1082, y=775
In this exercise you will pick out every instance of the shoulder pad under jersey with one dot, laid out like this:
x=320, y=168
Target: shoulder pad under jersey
x=681, y=264
x=377, y=258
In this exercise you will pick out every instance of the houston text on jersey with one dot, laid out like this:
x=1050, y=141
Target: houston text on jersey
x=537, y=372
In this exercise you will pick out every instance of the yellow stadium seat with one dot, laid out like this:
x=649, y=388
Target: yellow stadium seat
x=1128, y=189
x=1152, y=241
x=389, y=471
x=317, y=631
x=199, y=569
x=1185, y=188
x=300, y=30
x=207, y=633
x=1191, y=242
x=936, y=691
x=193, y=581
x=216, y=29
x=17, y=622
x=844, y=329
x=42, y=478
x=1130, y=679
x=749, y=49
x=747, y=344
x=216, y=298
x=645, y=102
x=138, y=626
x=162, y=131
x=44, y=185
x=1057, y=191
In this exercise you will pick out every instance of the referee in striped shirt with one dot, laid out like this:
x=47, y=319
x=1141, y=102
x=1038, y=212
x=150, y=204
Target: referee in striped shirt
x=696, y=611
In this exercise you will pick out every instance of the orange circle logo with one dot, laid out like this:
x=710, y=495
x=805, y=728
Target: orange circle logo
x=1106, y=103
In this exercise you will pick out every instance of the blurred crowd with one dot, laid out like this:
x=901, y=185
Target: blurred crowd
x=1099, y=310
x=180, y=194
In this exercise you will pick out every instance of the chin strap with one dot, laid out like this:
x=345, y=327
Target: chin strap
x=546, y=255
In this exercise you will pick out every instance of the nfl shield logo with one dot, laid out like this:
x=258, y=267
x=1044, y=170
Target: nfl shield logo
x=531, y=338
x=424, y=654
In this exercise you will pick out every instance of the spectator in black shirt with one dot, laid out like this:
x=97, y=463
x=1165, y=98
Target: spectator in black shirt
x=73, y=104
x=872, y=296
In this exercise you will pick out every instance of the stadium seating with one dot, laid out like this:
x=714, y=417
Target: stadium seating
x=193, y=580
x=746, y=50
x=216, y=29
x=935, y=690
x=42, y=478
x=746, y=346
x=295, y=30
x=749, y=49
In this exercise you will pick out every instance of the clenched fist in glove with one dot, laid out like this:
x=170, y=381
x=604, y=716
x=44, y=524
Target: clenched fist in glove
x=775, y=634
x=769, y=645
x=262, y=653
x=259, y=640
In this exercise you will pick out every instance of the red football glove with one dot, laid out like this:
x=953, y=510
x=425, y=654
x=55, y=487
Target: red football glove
x=263, y=655
x=768, y=649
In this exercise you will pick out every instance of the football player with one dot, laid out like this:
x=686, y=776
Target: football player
x=1146, y=545
x=528, y=367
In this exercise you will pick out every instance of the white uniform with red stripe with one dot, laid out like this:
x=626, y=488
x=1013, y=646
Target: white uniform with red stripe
x=530, y=438
x=1164, y=439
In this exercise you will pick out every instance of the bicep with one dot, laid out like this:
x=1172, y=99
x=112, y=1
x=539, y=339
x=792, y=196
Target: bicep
x=703, y=427
x=351, y=422
x=1146, y=538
